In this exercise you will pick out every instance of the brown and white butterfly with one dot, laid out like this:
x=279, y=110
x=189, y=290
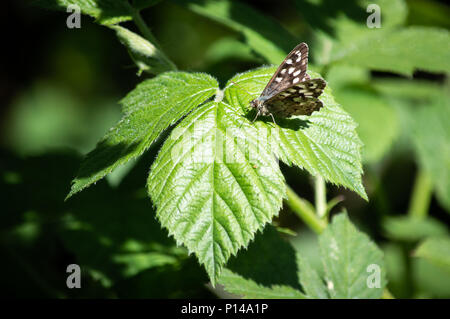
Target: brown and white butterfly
x=291, y=91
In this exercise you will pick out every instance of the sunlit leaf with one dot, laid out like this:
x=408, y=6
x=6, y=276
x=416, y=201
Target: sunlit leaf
x=325, y=143
x=212, y=193
x=150, y=108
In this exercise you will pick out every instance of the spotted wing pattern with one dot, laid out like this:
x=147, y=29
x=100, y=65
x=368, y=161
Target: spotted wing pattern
x=290, y=72
x=299, y=99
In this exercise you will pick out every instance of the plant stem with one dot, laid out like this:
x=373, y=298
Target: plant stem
x=145, y=30
x=320, y=196
x=421, y=195
x=305, y=211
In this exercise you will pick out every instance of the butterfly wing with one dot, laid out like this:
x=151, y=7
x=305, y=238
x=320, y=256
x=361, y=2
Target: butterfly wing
x=291, y=71
x=299, y=99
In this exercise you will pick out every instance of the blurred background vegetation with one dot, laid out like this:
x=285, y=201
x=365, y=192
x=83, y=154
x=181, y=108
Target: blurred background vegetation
x=60, y=89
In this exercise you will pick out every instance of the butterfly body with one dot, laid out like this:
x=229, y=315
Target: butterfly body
x=291, y=91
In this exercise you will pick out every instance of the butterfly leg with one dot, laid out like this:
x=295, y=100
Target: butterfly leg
x=257, y=114
x=273, y=119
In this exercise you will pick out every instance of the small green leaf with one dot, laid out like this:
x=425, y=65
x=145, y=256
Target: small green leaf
x=436, y=251
x=147, y=57
x=106, y=12
x=149, y=109
x=347, y=255
x=325, y=143
x=215, y=184
x=265, y=36
x=413, y=229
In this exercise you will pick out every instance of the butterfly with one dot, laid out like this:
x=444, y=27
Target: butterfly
x=291, y=91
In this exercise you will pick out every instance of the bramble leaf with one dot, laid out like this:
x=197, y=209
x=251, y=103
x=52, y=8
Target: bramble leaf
x=149, y=109
x=215, y=184
x=349, y=258
x=325, y=143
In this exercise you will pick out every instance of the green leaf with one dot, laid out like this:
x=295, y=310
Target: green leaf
x=312, y=284
x=412, y=229
x=146, y=56
x=274, y=276
x=347, y=39
x=325, y=143
x=402, y=51
x=104, y=11
x=436, y=251
x=215, y=184
x=264, y=35
x=149, y=109
x=347, y=255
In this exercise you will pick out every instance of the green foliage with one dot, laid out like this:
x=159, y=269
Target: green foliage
x=431, y=138
x=104, y=11
x=437, y=251
x=406, y=228
x=347, y=255
x=149, y=109
x=215, y=181
x=262, y=34
x=210, y=193
x=144, y=54
x=324, y=144
x=385, y=48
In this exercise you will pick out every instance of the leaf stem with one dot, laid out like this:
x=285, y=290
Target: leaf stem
x=305, y=211
x=421, y=195
x=320, y=196
x=145, y=30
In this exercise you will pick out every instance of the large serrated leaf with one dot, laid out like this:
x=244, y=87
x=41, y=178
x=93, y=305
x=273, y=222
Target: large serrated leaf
x=324, y=144
x=348, y=256
x=150, y=108
x=104, y=11
x=215, y=184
